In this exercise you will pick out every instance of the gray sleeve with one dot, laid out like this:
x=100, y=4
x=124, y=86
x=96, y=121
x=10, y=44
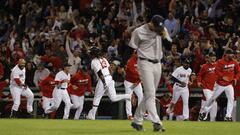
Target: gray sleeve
x=134, y=42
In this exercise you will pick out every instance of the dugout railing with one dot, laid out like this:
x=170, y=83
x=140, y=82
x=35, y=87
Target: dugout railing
x=194, y=93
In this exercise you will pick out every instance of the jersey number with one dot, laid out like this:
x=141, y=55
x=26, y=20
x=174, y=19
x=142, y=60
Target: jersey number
x=103, y=63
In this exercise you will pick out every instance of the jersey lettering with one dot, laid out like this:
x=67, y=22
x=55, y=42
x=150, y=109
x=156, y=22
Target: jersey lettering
x=103, y=63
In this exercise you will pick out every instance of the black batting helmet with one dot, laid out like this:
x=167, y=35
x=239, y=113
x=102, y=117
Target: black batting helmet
x=94, y=51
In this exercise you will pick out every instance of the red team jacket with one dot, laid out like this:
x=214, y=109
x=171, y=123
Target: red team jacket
x=227, y=68
x=132, y=74
x=207, y=76
x=83, y=83
x=47, y=85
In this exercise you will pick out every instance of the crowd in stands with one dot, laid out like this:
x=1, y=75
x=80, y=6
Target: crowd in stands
x=48, y=33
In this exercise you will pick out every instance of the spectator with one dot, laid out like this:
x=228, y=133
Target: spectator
x=40, y=74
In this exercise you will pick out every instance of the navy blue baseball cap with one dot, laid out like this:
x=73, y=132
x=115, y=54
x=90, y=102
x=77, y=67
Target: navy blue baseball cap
x=158, y=21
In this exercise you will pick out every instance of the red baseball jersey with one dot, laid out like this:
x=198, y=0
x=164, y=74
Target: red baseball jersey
x=47, y=85
x=229, y=69
x=132, y=74
x=83, y=83
x=207, y=76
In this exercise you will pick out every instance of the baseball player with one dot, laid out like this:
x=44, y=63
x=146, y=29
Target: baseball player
x=81, y=83
x=105, y=82
x=227, y=71
x=132, y=83
x=46, y=89
x=60, y=92
x=206, y=79
x=180, y=77
x=18, y=88
x=147, y=40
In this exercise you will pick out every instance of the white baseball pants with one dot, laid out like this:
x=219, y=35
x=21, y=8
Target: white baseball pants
x=213, y=111
x=60, y=95
x=129, y=89
x=46, y=103
x=16, y=93
x=218, y=90
x=78, y=102
x=111, y=92
x=184, y=93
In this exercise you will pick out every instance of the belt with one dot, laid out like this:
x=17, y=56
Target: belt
x=180, y=85
x=106, y=75
x=152, y=61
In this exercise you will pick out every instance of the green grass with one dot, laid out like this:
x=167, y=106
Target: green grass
x=111, y=127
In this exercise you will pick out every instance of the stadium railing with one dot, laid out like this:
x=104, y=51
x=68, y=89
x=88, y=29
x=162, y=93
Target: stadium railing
x=194, y=93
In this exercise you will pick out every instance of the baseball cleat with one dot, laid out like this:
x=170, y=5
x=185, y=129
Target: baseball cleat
x=202, y=116
x=158, y=127
x=137, y=126
x=13, y=114
x=227, y=118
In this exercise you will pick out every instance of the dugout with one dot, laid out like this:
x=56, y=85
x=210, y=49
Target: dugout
x=108, y=109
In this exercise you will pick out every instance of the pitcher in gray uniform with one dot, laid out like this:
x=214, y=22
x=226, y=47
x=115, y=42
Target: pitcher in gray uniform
x=147, y=40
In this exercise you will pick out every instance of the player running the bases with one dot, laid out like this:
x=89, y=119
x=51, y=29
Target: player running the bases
x=105, y=82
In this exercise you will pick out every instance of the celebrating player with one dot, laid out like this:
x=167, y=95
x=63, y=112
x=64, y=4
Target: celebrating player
x=206, y=79
x=18, y=88
x=81, y=82
x=227, y=71
x=105, y=82
x=46, y=88
x=180, y=77
x=60, y=92
x=132, y=83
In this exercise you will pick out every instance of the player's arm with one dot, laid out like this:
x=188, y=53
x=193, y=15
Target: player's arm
x=17, y=79
x=237, y=73
x=175, y=80
x=100, y=75
x=134, y=42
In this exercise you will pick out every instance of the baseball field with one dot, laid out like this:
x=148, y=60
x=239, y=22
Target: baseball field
x=111, y=127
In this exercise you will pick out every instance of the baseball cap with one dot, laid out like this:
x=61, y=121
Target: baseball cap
x=116, y=62
x=211, y=54
x=157, y=21
x=66, y=65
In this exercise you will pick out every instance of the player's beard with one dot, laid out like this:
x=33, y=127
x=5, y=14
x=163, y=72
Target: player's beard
x=186, y=67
